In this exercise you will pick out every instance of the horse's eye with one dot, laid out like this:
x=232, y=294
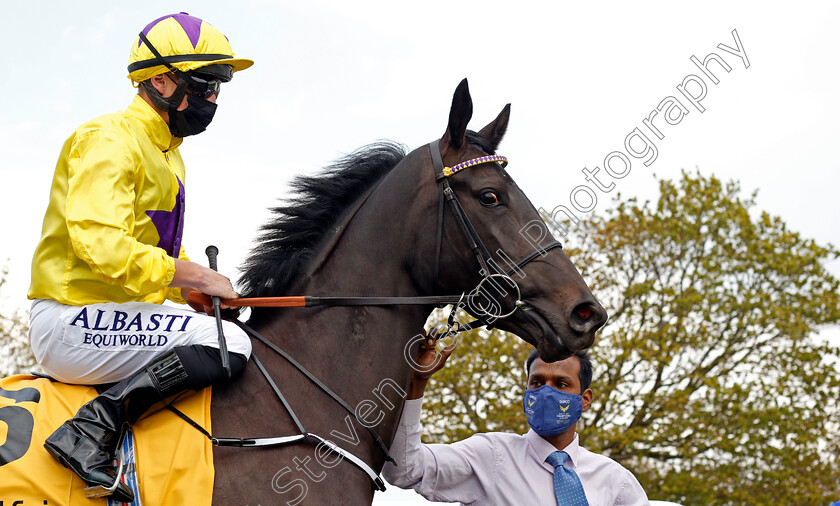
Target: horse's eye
x=489, y=199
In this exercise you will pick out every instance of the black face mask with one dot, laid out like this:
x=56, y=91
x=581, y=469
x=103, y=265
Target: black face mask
x=192, y=120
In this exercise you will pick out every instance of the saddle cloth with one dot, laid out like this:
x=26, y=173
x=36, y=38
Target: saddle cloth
x=174, y=461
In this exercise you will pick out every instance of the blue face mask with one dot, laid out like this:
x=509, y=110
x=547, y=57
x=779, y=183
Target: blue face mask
x=550, y=411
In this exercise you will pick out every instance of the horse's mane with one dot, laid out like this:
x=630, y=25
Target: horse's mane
x=289, y=241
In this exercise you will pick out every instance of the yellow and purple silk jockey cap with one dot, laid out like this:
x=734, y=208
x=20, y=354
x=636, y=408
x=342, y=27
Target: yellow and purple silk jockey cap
x=186, y=42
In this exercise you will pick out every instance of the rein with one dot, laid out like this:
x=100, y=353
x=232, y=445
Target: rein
x=306, y=301
x=490, y=269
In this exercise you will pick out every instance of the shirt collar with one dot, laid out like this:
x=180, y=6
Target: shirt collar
x=542, y=449
x=155, y=127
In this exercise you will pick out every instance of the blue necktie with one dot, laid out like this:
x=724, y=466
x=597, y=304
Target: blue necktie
x=567, y=487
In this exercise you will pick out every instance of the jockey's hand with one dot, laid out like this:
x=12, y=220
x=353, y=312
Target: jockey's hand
x=193, y=276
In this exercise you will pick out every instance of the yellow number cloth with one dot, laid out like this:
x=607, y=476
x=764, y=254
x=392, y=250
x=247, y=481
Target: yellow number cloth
x=174, y=460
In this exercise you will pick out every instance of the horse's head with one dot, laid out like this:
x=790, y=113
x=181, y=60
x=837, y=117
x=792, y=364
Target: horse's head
x=498, y=229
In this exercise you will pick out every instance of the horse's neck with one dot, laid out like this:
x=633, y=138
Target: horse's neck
x=358, y=352
x=365, y=343
x=366, y=261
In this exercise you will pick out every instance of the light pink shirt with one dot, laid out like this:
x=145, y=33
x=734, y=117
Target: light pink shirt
x=499, y=468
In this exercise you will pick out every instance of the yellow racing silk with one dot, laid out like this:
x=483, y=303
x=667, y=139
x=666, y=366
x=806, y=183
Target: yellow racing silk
x=115, y=217
x=174, y=460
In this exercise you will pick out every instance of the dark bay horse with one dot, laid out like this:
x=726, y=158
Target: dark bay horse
x=374, y=225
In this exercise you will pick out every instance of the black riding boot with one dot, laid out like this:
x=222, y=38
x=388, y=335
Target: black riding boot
x=87, y=442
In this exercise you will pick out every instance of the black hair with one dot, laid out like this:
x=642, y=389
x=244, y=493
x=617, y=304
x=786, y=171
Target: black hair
x=584, y=375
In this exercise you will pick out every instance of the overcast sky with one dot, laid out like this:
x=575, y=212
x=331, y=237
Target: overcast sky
x=332, y=76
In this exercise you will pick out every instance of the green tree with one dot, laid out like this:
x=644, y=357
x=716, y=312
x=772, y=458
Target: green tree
x=709, y=381
x=15, y=354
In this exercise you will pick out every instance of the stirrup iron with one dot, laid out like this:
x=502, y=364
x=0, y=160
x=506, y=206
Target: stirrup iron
x=95, y=491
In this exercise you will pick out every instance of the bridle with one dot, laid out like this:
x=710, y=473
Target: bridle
x=490, y=270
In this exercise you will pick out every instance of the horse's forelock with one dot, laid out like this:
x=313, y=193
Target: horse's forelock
x=481, y=142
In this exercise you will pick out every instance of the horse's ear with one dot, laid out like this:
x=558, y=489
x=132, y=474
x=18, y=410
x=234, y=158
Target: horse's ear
x=459, y=116
x=495, y=130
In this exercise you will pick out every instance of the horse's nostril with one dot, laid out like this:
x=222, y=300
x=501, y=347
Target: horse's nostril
x=586, y=317
x=584, y=312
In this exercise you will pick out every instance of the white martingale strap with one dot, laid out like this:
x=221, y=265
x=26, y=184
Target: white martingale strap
x=258, y=441
x=286, y=440
x=361, y=464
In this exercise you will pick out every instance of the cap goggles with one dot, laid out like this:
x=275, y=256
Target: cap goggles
x=202, y=85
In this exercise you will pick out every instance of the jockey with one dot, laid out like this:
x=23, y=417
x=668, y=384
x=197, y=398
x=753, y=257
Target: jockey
x=110, y=252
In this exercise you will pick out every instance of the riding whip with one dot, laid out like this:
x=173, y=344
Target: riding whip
x=213, y=252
